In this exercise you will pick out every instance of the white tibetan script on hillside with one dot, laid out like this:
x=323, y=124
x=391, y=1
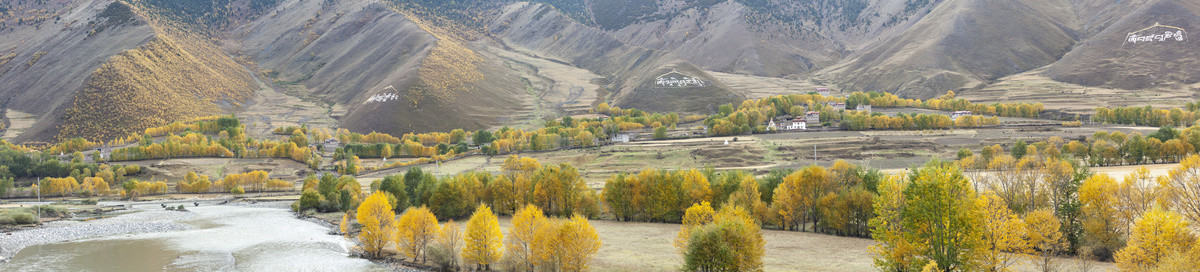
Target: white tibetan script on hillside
x=383, y=97
x=678, y=80
x=1164, y=33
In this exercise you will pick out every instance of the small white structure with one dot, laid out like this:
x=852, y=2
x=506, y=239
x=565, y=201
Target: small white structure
x=105, y=152
x=823, y=91
x=863, y=108
x=771, y=125
x=958, y=114
x=796, y=124
x=813, y=117
x=622, y=138
x=331, y=145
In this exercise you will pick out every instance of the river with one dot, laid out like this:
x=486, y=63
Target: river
x=217, y=238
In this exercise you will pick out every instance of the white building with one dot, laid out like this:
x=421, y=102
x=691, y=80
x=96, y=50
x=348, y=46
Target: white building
x=823, y=91
x=863, y=108
x=622, y=138
x=796, y=124
x=958, y=114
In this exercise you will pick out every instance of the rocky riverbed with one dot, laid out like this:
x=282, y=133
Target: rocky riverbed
x=66, y=230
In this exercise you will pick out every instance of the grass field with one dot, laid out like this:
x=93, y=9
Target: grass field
x=172, y=170
x=272, y=109
x=18, y=123
x=633, y=246
x=1035, y=87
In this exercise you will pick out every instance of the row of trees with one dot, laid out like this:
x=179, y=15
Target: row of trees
x=879, y=121
x=174, y=146
x=1147, y=116
x=18, y=162
x=752, y=114
x=935, y=218
x=1105, y=148
x=556, y=189
x=948, y=102
x=255, y=181
x=836, y=200
x=534, y=242
x=1096, y=215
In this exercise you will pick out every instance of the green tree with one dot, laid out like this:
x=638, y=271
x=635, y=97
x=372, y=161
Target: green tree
x=482, y=137
x=1018, y=149
x=395, y=186
x=660, y=133
x=934, y=218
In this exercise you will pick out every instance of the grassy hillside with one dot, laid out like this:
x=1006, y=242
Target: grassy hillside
x=540, y=30
x=959, y=46
x=1108, y=60
x=166, y=80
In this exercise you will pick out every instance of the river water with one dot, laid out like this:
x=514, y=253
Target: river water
x=223, y=238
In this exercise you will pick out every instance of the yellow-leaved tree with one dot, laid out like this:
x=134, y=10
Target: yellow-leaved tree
x=444, y=250
x=344, y=226
x=732, y=242
x=1184, y=188
x=1045, y=238
x=378, y=224
x=418, y=227
x=483, y=242
x=1102, y=227
x=575, y=244
x=523, y=236
x=1002, y=233
x=695, y=216
x=1157, y=235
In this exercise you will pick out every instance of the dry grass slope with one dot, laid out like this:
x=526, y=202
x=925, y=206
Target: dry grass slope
x=451, y=68
x=166, y=80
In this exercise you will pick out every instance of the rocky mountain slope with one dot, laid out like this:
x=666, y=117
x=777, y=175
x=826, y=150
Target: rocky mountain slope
x=103, y=68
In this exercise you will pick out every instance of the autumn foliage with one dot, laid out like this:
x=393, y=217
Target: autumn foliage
x=378, y=224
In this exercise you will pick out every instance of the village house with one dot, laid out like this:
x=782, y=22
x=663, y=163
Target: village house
x=958, y=114
x=813, y=117
x=823, y=91
x=331, y=145
x=796, y=124
x=836, y=105
x=622, y=138
x=863, y=108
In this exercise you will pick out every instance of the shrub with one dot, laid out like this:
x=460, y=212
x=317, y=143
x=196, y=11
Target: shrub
x=20, y=217
x=309, y=200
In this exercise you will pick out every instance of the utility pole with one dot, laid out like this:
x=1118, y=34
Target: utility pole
x=39, y=197
x=814, y=153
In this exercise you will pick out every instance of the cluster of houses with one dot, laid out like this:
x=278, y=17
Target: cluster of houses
x=812, y=117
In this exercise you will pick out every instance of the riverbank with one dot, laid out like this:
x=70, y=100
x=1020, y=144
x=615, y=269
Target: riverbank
x=143, y=221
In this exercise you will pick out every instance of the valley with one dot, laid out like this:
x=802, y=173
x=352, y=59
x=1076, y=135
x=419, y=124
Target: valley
x=599, y=135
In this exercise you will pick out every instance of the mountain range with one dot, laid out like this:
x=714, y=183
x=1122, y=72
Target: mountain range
x=101, y=69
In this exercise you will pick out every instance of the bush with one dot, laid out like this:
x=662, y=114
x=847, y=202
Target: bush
x=21, y=217
x=309, y=200
x=52, y=211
